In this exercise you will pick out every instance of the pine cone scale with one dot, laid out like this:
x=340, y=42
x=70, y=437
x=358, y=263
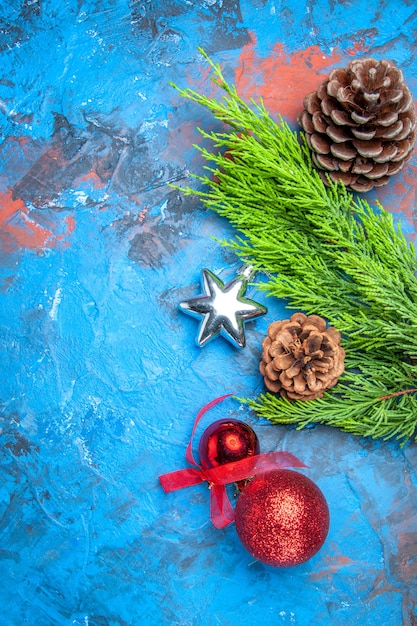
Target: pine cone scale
x=320, y=143
x=341, y=118
x=312, y=343
x=368, y=149
x=406, y=129
x=338, y=134
x=362, y=167
x=344, y=151
x=387, y=119
x=299, y=384
x=360, y=118
x=284, y=361
x=294, y=370
x=403, y=150
x=364, y=134
x=388, y=154
x=407, y=103
x=378, y=171
x=318, y=122
x=394, y=168
x=271, y=372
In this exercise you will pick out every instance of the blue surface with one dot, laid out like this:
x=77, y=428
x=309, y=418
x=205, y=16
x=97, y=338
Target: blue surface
x=101, y=377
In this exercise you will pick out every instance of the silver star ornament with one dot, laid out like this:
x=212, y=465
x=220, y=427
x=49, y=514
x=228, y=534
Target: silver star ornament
x=223, y=309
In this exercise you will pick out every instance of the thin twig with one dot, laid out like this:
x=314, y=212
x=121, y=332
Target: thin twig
x=397, y=393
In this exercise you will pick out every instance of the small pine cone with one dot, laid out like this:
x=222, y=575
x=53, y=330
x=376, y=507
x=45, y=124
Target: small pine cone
x=301, y=359
x=360, y=124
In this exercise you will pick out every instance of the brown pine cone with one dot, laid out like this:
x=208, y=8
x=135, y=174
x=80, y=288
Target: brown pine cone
x=360, y=124
x=301, y=359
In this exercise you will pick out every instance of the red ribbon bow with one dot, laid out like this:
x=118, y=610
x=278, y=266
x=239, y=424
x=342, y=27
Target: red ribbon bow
x=221, y=510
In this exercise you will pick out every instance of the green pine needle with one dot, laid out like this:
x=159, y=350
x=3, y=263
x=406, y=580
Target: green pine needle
x=326, y=252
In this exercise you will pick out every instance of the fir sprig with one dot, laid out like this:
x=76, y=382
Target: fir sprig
x=326, y=252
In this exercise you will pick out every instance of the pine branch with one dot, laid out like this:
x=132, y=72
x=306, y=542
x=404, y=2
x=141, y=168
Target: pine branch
x=326, y=252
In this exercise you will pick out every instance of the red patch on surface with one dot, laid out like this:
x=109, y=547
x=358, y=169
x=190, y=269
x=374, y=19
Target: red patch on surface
x=91, y=178
x=330, y=566
x=282, y=79
x=19, y=230
x=400, y=196
x=404, y=564
x=70, y=223
x=359, y=47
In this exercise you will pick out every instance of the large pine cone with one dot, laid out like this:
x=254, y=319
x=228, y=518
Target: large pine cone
x=301, y=358
x=361, y=124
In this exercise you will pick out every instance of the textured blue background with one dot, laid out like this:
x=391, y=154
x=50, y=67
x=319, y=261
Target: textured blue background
x=101, y=378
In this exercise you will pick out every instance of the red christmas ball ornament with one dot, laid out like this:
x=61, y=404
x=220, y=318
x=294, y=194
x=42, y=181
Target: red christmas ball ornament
x=282, y=518
x=226, y=441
